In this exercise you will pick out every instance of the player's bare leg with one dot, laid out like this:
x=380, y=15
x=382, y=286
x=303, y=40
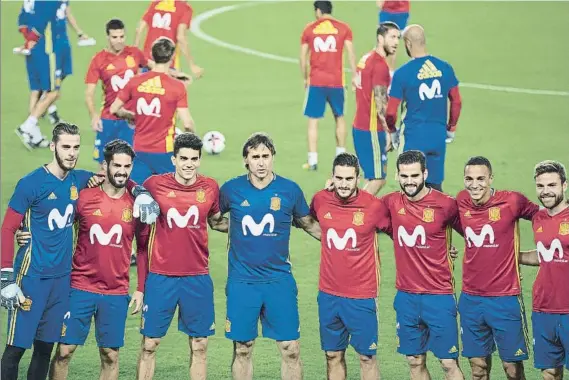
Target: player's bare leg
x=369, y=370
x=340, y=135
x=34, y=98
x=514, y=370
x=60, y=362
x=418, y=367
x=147, y=358
x=312, y=144
x=481, y=368
x=109, y=363
x=29, y=131
x=291, y=366
x=373, y=186
x=552, y=374
x=336, y=365
x=198, y=358
x=242, y=365
x=451, y=369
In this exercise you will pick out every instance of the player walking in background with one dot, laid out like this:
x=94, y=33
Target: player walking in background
x=156, y=96
x=397, y=12
x=170, y=19
x=178, y=259
x=371, y=141
x=114, y=66
x=423, y=85
x=491, y=307
x=422, y=220
x=260, y=284
x=349, y=269
x=324, y=41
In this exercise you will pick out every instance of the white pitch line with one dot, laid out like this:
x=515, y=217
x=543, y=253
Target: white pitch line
x=202, y=17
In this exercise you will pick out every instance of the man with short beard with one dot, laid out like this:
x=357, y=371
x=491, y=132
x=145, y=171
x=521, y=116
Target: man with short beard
x=491, y=309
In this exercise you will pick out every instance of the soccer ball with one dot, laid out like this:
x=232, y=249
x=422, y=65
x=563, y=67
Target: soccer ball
x=213, y=142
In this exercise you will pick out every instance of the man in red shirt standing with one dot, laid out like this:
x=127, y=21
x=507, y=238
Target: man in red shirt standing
x=324, y=40
x=397, y=12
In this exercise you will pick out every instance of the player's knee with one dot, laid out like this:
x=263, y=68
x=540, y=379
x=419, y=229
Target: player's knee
x=243, y=350
x=109, y=356
x=479, y=366
x=65, y=352
x=11, y=358
x=290, y=349
x=150, y=345
x=42, y=348
x=449, y=365
x=199, y=346
x=334, y=356
x=367, y=360
x=513, y=370
x=552, y=373
x=417, y=361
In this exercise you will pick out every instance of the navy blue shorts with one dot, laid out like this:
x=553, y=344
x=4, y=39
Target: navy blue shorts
x=317, y=97
x=430, y=141
x=149, y=164
x=400, y=19
x=112, y=129
x=551, y=340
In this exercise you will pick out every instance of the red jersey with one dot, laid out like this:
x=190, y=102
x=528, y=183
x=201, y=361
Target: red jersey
x=349, y=264
x=326, y=38
x=492, y=242
x=372, y=71
x=156, y=97
x=550, y=290
x=178, y=242
x=396, y=6
x=101, y=261
x=163, y=19
x=422, y=234
x=114, y=71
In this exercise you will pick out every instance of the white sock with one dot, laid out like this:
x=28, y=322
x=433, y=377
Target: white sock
x=30, y=124
x=52, y=109
x=340, y=150
x=312, y=158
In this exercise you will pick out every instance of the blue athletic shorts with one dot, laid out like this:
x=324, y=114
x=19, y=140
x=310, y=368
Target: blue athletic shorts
x=275, y=303
x=193, y=295
x=430, y=141
x=43, y=74
x=112, y=129
x=550, y=340
x=398, y=18
x=41, y=317
x=487, y=322
x=148, y=164
x=370, y=149
x=317, y=97
x=347, y=320
x=110, y=313
x=64, y=60
x=426, y=322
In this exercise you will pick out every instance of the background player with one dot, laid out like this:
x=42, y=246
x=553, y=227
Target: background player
x=397, y=12
x=423, y=84
x=491, y=305
x=262, y=207
x=170, y=19
x=180, y=277
x=371, y=142
x=349, y=269
x=324, y=40
x=157, y=96
x=422, y=220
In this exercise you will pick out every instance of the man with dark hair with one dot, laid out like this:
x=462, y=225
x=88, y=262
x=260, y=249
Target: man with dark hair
x=324, y=40
x=491, y=306
x=177, y=258
x=35, y=287
x=397, y=12
x=371, y=141
x=263, y=206
x=349, y=269
x=425, y=84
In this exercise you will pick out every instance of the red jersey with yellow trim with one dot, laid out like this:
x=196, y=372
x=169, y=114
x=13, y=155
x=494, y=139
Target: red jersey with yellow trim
x=349, y=264
x=492, y=242
x=372, y=71
x=101, y=261
x=178, y=242
x=326, y=38
x=114, y=71
x=551, y=287
x=156, y=97
x=163, y=18
x=396, y=6
x=422, y=233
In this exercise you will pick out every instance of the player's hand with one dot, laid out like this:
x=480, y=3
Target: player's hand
x=197, y=71
x=453, y=252
x=388, y=142
x=96, y=180
x=29, y=45
x=23, y=237
x=356, y=82
x=96, y=124
x=329, y=185
x=394, y=139
x=145, y=207
x=450, y=137
x=11, y=295
x=137, y=300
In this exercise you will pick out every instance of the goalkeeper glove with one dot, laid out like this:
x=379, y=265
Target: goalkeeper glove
x=450, y=137
x=145, y=207
x=11, y=295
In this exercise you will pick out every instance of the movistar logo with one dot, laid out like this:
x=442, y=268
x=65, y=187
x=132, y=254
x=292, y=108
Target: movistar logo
x=340, y=243
x=411, y=240
x=105, y=238
x=182, y=220
x=61, y=221
x=478, y=240
x=248, y=223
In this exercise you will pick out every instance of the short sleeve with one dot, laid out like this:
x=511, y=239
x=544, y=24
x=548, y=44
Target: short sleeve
x=313, y=207
x=380, y=75
x=224, y=201
x=83, y=177
x=182, y=101
x=349, y=34
x=24, y=195
x=140, y=57
x=524, y=208
x=215, y=193
x=305, y=38
x=147, y=18
x=93, y=72
x=396, y=90
x=452, y=79
x=187, y=15
x=300, y=208
x=453, y=216
x=383, y=216
x=125, y=94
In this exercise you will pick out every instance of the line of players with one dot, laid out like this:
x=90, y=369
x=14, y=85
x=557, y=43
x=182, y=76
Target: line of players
x=263, y=206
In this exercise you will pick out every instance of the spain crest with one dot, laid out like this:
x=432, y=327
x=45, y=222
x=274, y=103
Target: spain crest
x=126, y=215
x=26, y=305
x=275, y=203
x=494, y=214
x=358, y=218
x=227, y=325
x=200, y=196
x=63, y=330
x=428, y=215
x=73, y=193
x=564, y=228
x=130, y=62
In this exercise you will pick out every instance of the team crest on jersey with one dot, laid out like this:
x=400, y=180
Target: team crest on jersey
x=73, y=193
x=126, y=215
x=130, y=62
x=26, y=305
x=227, y=325
x=200, y=196
x=494, y=214
x=428, y=215
x=275, y=203
x=564, y=228
x=358, y=218
x=63, y=330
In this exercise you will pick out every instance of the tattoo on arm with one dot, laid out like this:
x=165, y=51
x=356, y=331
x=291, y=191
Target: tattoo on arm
x=380, y=94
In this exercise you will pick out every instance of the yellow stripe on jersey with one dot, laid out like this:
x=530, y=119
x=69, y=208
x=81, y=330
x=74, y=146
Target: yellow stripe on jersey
x=377, y=261
x=449, y=258
x=48, y=36
x=151, y=238
x=28, y=254
x=372, y=113
x=517, y=251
